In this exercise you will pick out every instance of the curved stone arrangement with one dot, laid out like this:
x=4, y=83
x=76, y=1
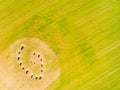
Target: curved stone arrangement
x=39, y=61
x=33, y=62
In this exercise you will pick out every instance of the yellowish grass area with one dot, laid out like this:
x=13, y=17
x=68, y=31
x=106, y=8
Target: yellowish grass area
x=78, y=39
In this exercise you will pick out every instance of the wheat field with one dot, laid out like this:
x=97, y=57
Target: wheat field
x=77, y=43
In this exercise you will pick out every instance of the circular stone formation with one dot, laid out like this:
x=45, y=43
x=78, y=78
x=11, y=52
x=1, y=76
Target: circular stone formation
x=36, y=59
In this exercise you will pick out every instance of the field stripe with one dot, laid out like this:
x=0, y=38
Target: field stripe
x=37, y=10
x=28, y=15
x=89, y=17
x=99, y=27
x=115, y=45
x=97, y=31
x=108, y=49
x=102, y=76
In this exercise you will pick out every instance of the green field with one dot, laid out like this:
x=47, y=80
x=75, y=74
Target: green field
x=81, y=39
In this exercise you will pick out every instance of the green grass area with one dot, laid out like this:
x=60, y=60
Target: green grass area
x=84, y=34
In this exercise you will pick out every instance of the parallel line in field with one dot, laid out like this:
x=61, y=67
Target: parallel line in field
x=98, y=30
x=97, y=44
x=108, y=49
x=103, y=75
x=92, y=31
x=99, y=11
x=99, y=27
x=78, y=14
x=87, y=36
x=89, y=17
x=27, y=16
x=115, y=45
x=69, y=10
x=32, y=13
